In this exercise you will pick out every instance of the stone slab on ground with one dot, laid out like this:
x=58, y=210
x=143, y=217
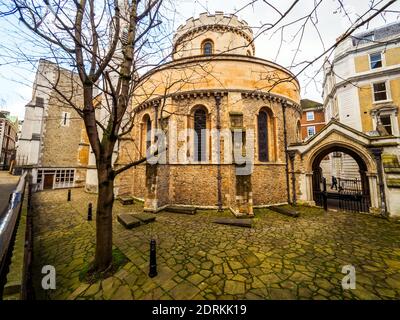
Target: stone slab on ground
x=126, y=200
x=184, y=210
x=128, y=220
x=245, y=223
x=285, y=211
x=145, y=217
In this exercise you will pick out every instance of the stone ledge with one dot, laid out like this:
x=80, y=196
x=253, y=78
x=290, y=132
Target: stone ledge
x=287, y=212
x=126, y=200
x=392, y=170
x=183, y=210
x=145, y=217
x=128, y=220
x=244, y=223
x=393, y=183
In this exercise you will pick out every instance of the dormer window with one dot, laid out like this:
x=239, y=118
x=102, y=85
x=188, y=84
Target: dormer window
x=208, y=47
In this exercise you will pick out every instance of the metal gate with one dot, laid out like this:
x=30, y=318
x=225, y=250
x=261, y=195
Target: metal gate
x=349, y=196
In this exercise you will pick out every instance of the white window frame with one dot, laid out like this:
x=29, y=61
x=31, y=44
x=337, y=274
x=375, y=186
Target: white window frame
x=382, y=60
x=308, y=133
x=310, y=113
x=393, y=120
x=64, y=177
x=65, y=119
x=388, y=93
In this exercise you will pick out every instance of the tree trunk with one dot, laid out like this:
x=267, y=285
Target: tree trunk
x=105, y=199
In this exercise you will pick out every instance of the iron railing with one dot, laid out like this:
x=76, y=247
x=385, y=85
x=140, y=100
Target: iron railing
x=8, y=228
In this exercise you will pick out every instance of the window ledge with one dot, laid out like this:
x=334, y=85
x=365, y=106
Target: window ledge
x=383, y=101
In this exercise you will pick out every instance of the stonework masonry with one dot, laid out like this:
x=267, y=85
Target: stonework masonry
x=232, y=89
x=53, y=138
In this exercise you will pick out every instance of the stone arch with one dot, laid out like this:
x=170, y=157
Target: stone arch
x=362, y=157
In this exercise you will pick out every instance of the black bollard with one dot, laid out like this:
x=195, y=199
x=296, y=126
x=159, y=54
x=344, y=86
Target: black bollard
x=153, y=259
x=69, y=195
x=89, y=213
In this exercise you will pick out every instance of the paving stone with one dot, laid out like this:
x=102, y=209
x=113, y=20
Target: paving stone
x=278, y=258
x=234, y=287
x=195, y=279
x=184, y=291
x=123, y=293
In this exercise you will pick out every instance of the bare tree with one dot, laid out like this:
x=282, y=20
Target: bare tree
x=104, y=42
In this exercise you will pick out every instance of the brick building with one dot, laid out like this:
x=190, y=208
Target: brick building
x=53, y=142
x=312, y=118
x=218, y=85
x=8, y=139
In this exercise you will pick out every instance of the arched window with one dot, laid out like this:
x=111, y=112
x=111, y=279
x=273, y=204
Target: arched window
x=208, y=47
x=146, y=133
x=248, y=52
x=200, y=142
x=263, y=148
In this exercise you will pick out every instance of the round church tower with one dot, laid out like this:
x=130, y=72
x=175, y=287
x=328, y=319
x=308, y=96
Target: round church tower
x=227, y=118
x=213, y=34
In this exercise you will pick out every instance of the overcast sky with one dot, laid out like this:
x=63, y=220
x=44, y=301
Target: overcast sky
x=15, y=79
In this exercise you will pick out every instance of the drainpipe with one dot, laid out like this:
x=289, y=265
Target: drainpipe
x=284, y=105
x=377, y=152
x=292, y=155
x=219, y=175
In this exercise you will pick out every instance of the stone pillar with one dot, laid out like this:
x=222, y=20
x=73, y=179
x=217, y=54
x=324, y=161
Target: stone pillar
x=292, y=155
x=377, y=153
x=373, y=189
x=309, y=186
x=219, y=175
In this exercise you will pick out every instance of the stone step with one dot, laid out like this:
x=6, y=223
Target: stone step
x=244, y=223
x=126, y=200
x=183, y=210
x=128, y=220
x=285, y=211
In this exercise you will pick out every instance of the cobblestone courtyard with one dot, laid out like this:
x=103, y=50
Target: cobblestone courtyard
x=279, y=258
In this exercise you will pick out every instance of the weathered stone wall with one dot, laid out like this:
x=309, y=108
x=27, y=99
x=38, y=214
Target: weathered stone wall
x=246, y=85
x=60, y=143
x=196, y=184
x=269, y=184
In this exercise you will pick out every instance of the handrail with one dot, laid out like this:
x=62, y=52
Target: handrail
x=7, y=225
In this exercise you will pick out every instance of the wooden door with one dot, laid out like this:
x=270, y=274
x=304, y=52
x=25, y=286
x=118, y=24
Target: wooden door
x=48, y=181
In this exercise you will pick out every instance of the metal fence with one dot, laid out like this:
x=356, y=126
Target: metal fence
x=8, y=227
x=350, y=186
